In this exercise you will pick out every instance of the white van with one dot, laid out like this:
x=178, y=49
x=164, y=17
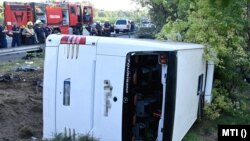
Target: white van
x=122, y=25
x=122, y=89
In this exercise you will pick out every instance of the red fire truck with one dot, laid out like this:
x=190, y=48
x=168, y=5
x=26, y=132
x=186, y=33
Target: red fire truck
x=60, y=17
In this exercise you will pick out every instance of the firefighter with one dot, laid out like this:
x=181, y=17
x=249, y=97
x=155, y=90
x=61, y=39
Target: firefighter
x=46, y=30
x=86, y=14
x=3, y=40
x=112, y=28
x=89, y=27
x=106, y=28
x=78, y=30
x=40, y=34
x=22, y=36
x=30, y=35
x=15, y=35
x=98, y=28
x=92, y=29
x=132, y=23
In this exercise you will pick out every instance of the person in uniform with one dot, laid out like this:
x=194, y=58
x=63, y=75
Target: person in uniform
x=46, y=30
x=132, y=26
x=86, y=14
x=23, y=37
x=15, y=35
x=3, y=40
x=30, y=35
x=40, y=34
x=106, y=28
x=98, y=28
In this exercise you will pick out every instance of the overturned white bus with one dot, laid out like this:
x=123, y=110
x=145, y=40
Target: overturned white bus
x=123, y=89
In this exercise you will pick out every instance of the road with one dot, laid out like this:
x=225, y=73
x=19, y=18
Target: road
x=11, y=57
x=125, y=36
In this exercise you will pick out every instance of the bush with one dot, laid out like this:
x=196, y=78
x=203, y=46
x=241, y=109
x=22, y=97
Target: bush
x=225, y=37
x=221, y=103
x=146, y=32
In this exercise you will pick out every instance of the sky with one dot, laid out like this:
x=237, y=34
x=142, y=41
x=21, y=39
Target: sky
x=100, y=4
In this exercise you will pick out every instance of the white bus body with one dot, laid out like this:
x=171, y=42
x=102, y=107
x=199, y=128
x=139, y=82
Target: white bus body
x=121, y=89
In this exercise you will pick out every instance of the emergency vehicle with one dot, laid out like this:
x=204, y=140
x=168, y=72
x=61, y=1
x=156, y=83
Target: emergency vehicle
x=60, y=17
x=123, y=89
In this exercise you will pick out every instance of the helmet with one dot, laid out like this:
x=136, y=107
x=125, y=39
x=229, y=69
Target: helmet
x=38, y=22
x=29, y=23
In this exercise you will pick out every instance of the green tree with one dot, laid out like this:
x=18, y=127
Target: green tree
x=160, y=10
x=101, y=13
x=112, y=16
x=222, y=26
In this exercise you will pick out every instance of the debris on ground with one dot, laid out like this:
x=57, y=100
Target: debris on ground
x=20, y=105
x=39, y=86
x=40, y=83
x=26, y=68
x=29, y=62
x=33, y=54
x=5, y=78
x=9, y=77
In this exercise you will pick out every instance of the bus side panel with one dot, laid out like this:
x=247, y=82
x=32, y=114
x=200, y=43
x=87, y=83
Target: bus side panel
x=49, y=89
x=109, y=97
x=74, y=92
x=190, y=66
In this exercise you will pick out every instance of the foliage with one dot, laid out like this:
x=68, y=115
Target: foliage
x=220, y=103
x=220, y=26
x=112, y=16
x=223, y=27
x=160, y=10
x=240, y=116
x=148, y=32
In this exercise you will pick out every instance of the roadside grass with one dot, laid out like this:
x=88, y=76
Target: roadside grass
x=206, y=130
x=192, y=136
x=62, y=137
x=12, y=65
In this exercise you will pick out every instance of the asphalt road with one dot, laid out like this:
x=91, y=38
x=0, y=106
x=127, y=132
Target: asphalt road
x=11, y=57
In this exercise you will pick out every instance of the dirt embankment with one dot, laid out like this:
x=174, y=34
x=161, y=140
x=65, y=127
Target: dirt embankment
x=21, y=107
